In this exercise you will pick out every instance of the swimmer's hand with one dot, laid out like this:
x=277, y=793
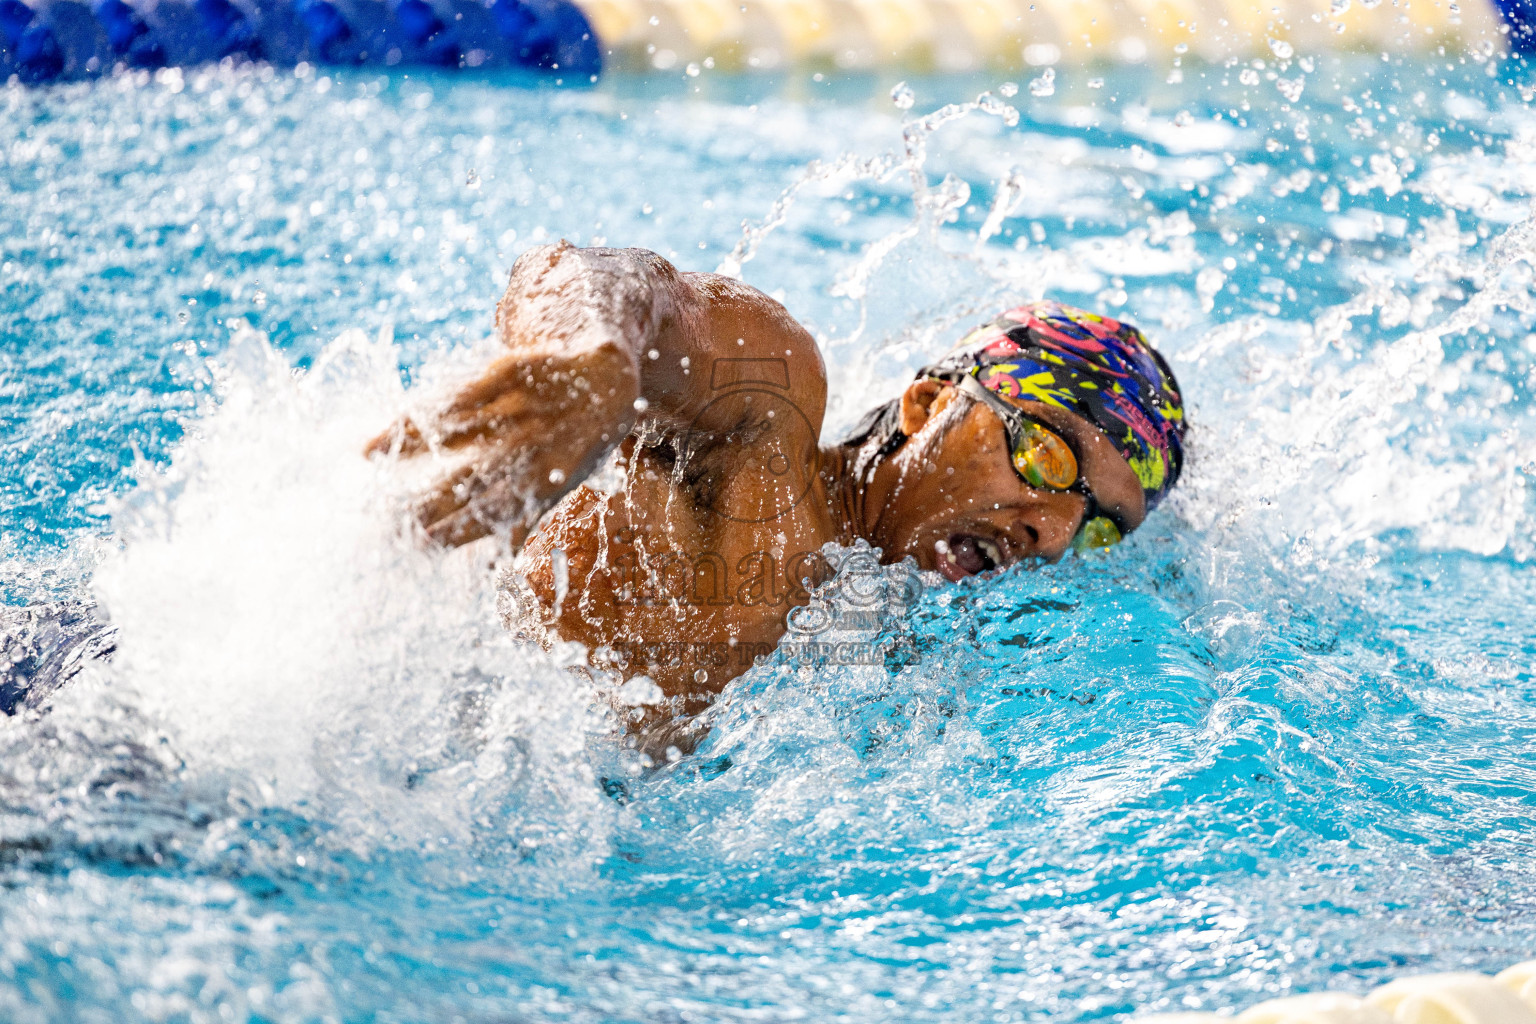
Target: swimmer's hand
x=517, y=439
x=543, y=416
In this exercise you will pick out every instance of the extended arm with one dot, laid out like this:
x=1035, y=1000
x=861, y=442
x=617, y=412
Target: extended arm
x=595, y=339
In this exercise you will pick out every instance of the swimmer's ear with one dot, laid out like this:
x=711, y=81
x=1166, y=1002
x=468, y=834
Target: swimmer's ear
x=917, y=403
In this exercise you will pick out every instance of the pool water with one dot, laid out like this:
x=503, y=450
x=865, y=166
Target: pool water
x=1283, y=739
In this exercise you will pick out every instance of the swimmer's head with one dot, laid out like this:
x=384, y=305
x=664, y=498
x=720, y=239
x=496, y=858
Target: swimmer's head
x=1046, y=428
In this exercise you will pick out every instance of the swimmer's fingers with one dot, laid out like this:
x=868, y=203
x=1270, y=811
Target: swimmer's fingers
x=476, y=501
x=505, y=406
x=456, y=511
x=402, y=438
x=500, y=429
x=530, y=429
x=505, y=419
x=523, y=400
x=446, y=498
x=465, y=527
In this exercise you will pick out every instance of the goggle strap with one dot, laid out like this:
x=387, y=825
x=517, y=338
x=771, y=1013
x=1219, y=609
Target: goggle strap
x=975, y=389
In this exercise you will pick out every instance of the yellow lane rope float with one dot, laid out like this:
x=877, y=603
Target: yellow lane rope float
x=1508, y=998
x=955, y=35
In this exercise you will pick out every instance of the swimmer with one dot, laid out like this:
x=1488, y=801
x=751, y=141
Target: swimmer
x=1047, y=428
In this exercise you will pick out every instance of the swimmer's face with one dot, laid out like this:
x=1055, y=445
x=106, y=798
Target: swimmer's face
x=959, y=507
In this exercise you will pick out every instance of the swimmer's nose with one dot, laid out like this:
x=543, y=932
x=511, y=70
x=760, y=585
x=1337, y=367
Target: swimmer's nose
x=1045, y=533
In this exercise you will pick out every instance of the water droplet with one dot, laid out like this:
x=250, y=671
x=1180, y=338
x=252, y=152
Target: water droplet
x=183, y=316
x=259, y=300
x=992, y=105
x=472, y=180
x=902, y=96
x=693, y=70
x=646, y=209
x=1045, y=85
x=1207, y=285
x=655, y=21
x=1282, y=49
x=1248, y=76
x=1184, y=119
x=557, y=476
x=1095, y=83
x=1009, y=88
x=1338, y=7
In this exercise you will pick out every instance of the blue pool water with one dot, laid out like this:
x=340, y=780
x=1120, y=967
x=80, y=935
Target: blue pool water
x=1280, y=741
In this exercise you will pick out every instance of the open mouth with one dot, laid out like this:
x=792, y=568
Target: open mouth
x=966, y=554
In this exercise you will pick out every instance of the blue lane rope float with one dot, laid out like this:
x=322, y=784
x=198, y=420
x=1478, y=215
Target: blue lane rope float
x=48, y=40
x=1520, y=16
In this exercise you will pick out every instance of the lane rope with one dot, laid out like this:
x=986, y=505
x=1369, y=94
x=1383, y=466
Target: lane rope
x=48, y=40
x=1462, y=998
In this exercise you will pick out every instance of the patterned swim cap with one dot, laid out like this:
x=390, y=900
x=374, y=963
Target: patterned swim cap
x=1100, y=369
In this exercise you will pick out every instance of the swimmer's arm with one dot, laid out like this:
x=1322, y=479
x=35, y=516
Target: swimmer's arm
x=596, y=339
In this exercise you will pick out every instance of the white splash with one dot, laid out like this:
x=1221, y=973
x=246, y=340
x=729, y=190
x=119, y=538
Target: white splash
x=286, y=627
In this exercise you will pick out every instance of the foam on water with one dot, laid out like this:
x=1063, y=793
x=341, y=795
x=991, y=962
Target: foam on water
x=282, y=634
x=278, y=619
x=1278, y=740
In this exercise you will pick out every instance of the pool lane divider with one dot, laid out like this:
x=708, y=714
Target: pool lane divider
x=1463, y=998
x=48, y=40
x=1520, y=16
x=967, y=35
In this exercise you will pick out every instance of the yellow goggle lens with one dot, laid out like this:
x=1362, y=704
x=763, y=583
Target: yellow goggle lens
x=1044, y=459
x=1096, y=535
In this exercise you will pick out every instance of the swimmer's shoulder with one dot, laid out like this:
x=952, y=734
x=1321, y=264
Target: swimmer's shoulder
x=758, y=343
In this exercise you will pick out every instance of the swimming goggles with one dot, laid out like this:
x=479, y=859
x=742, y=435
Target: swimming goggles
x=1044, y=459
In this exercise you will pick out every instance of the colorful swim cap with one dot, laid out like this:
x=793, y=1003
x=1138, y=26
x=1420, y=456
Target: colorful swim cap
x=1098, y=368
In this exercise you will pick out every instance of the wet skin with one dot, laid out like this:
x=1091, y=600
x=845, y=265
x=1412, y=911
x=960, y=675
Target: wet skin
x=711, y=398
